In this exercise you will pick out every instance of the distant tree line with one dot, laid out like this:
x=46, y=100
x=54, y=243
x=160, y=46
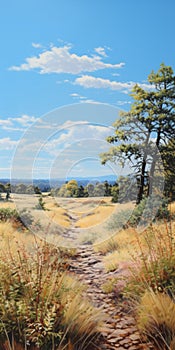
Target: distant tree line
x=19, y=188
x=72, y=189
x=122, y=190
x=5, y=188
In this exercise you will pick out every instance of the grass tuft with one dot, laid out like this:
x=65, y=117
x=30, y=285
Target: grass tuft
x=156, y=319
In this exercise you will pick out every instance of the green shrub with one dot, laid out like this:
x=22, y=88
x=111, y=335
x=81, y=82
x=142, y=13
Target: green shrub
x=119, y=220
x=41, y=204
x=115, y=193
x=8, y=213
x=146, y=212
x=24, y=217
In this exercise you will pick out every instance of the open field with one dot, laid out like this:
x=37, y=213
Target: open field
x=107, y=256
x=68, y=221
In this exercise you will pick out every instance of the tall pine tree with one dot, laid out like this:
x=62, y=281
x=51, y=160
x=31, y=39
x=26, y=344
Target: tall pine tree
x=142, y=133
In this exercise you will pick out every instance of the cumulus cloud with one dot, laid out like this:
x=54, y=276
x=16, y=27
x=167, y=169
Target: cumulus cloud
x=73, y=132
x=77, y=142
x=25, y=120
x=89, y=81
x=61, y=60
x=100, y=51
x=17, y=123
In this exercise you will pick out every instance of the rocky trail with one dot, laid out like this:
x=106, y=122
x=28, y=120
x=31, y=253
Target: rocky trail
x=120, y=331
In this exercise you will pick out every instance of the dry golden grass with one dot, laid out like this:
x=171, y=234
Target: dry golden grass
x=80, y=322
x=108, y=245
x=121, y=239
x=7, y=204
x=57, y=214
x=127, y=243
x=156, y=318
x=95, y=217
x=118, y=248
x=10, y=237
x=112, y=260
x=172, y=208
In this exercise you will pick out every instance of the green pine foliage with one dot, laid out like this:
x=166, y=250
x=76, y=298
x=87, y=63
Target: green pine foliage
x=152, y=116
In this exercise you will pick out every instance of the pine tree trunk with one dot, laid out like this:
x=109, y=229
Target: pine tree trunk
x=143, y=169
x=142, y=182
x=153, y=165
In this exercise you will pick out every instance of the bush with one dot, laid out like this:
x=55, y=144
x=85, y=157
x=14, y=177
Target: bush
x=120, y=219
x=41, y=307
x=41, y=204
x=115, y=193
x=152, y=280
x=8, y=213
x=154, y=262
x=23, y=217
x=148, y=210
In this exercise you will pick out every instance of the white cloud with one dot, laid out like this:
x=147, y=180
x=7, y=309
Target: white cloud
x=5, y=122
x=115, y=74
x=61, y=60
x=7, y=144
x=78, y=96
x=100, y=51
x=73, y=132
x=13, y=128
x=11, y=124
x=76, y=143
x=25, y=120
x=122, y=103
x=91, y=101
x=74, y=95
x=4, y=169
x=88, y=81
x=73, y=142
x=37, y=45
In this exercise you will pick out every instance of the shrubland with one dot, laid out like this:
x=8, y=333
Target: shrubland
x=42, y=306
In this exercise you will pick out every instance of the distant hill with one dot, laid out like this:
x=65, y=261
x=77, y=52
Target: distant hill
x=93, y=179
x=43, y=184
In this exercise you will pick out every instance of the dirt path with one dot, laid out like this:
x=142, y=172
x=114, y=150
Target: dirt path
x=120, y=330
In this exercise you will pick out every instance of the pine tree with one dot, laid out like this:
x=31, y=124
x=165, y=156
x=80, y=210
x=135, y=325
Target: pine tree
x=141, y=133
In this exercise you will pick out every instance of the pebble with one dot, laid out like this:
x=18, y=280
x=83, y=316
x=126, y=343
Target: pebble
x=120, y=331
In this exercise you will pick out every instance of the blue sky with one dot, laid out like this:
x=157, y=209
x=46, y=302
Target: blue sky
x=58, y=53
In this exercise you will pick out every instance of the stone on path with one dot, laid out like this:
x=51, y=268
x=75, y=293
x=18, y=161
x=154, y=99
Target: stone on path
x=120, y=331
